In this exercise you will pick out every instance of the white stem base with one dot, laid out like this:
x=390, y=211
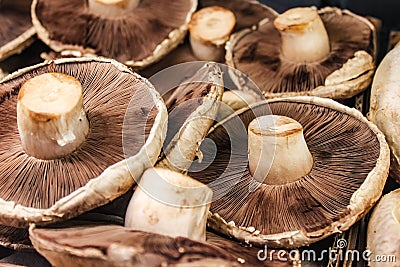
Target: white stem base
x=209, y=29
x=112, y=8
x=278, y=153
x=169, y=203
x=51, y=120
x=304, y=38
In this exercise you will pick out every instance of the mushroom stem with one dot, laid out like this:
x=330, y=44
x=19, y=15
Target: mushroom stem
x=51, y=120
x=278, y=153
x=304, y=38
x=169, y=203
x=210, y=28
x=112, y=8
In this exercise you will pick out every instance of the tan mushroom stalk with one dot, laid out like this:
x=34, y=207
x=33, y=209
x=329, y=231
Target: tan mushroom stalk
x=52, y=122
x=169, y=203
x=209, y=29
x=304, y=38
x=383, y=236
x=278, y=153
x=112, y=8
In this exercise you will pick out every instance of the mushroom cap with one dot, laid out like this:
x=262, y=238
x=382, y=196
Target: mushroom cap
x=107, y=163
x=17, y=31
x=137, y=38
x=384, y=110
x=192, y=96
x=247, y=13
x=113, y=245
x=351, y=161
x=383, y=236
x=346, y=72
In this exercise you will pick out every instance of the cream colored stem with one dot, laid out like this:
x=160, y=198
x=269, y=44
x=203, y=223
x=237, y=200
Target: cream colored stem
x=112, y=8
x=210, y=28
x=51, y=120
x=278, y=153
x=304, y=38
x=169, y=203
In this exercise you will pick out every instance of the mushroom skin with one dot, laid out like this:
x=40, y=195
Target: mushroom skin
x=383, y=235
x=384, y=110
x=256, y=52
x=359, y=202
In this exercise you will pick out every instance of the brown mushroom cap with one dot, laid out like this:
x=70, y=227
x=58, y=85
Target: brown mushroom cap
x=351, y=161
x=346, y=71
x=16, y=32
x=45, y=191
x=384, y=230
x=137, y=38
x=113, y=245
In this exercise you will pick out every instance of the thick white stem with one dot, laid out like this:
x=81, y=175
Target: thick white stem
x=51, y=119
x=210, y=28
x=304, y=38
x=112, y=8
x=169, y=203
x=278, y=153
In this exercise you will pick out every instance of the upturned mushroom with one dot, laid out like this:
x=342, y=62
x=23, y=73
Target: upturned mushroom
x=384, y=110
x=289, y=172
x=135, y=32
x=383, y=236
x=325, y=53
x=70, y=139
x=17, y=31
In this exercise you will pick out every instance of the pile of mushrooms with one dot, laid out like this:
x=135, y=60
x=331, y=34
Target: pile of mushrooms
x=17, y=31
x=71, y=141
x=134, y=32
x=305, y=51
x=289, y=172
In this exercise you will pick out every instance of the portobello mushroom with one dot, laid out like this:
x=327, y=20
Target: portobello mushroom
x=289, y=172
x=17, y=31
x=304, y=51
x=384, y=111
x=71, y=140
x=135, y=32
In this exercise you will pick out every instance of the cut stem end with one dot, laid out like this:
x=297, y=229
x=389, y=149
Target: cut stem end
x=278, y=153
x=112, y=8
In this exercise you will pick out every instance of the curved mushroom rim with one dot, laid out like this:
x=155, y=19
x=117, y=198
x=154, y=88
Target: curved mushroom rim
x=343, y=90
x=362, y=200
x=17, y=45
x=172, y=41
x=118, y=177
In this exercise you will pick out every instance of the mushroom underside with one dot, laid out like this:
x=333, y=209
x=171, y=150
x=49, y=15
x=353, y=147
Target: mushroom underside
x=257, y=54
x=13, y=24
x=152, y=23
x=40, y=183
x=345, y=151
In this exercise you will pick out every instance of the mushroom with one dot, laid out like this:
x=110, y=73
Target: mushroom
x=384, y=111
x=247, y=13
x=70, y=139
x=192, y=105
x=16, y=31
x=325, y=53
x=383, y=236
x=135, y=32
x=311, y=169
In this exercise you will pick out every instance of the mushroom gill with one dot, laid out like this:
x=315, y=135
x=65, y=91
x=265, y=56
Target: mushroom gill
x=133, y=35
x=345, y=150
x=38, y=183
x=286, y=52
